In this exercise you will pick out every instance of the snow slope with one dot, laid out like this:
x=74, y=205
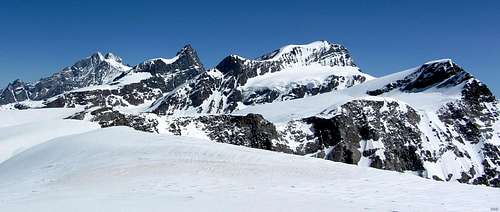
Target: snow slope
x=18, y=117
x=119, y=169
x=21, y=130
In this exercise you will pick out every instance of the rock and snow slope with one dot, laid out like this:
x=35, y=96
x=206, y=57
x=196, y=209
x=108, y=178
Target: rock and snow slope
x=119, y=169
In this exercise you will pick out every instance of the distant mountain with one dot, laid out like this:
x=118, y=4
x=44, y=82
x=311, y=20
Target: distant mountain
x=96, y=69
x=140, y=85
x=435, y=120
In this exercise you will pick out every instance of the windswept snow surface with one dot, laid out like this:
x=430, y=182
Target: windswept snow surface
x=21, y=130
x=10, y=117
x=119, y=169
x=314, y=73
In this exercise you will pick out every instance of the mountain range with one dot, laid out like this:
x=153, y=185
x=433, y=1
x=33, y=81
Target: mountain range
x=436, y=120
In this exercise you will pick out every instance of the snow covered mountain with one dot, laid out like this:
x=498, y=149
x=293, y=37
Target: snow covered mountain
x=436, y=120
x=292, y=72
x=96, y=69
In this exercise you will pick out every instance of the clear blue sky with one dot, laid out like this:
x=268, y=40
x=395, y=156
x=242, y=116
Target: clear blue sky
x=41, y=37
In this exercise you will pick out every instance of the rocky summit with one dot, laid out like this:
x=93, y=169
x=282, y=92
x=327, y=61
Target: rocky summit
x=435, y=120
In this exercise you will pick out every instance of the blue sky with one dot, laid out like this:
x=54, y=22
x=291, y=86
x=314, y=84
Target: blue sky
x=38, y=38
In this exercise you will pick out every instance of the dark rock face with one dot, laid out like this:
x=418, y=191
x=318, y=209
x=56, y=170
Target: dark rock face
x=384, y=133
x=473, y=119
x=94, y=70
x=15, y=92
x=251, y=130
x=436, y=74
x=475, y=93
x=432, y=74
x=107, y=117
x=491, y=176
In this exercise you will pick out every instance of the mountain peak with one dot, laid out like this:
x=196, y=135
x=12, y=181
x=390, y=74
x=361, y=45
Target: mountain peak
x=111, y=56
x=321, y=52
x=441, y=65
x=96, y=56
x=16, y=81
x=186, y=49
x=445, y=60
x=188, y=56
x=276, y=54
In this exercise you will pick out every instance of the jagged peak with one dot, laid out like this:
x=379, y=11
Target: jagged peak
x=187, y=52
x=186, y=49
x=96, y=56
x=111, y=56
x=189, y=55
